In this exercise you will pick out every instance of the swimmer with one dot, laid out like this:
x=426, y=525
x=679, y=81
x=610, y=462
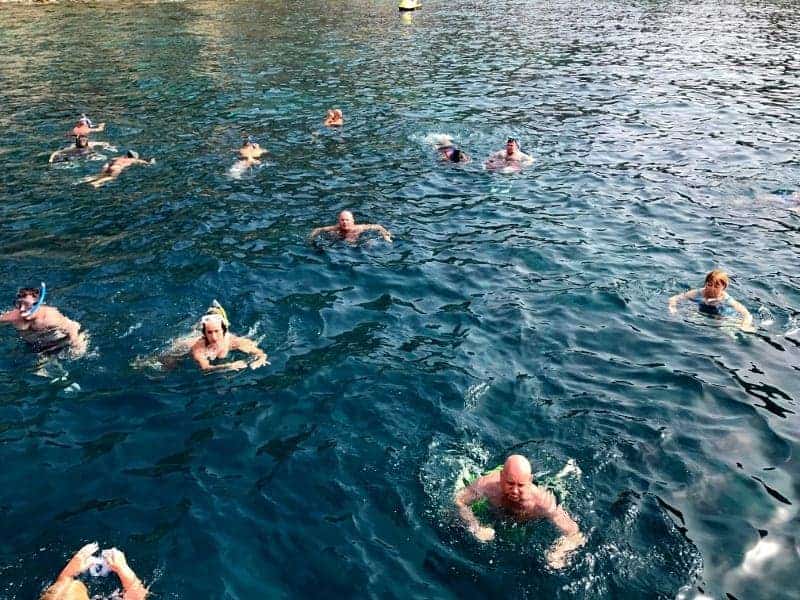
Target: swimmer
x=508, y=160
x=347, y=229
x=82, y=147
x=44, y=328
x=115, y=166
x=84, y=126
x=67, y=587
x=216, y=342
x=446, y=148
x=452, y=154
x=334, y=118
x=249, y=155
x=713, y=299
x=512, y=491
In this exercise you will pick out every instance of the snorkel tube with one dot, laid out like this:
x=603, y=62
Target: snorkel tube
x=38, y=304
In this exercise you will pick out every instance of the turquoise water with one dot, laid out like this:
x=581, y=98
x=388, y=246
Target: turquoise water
x=523, y=312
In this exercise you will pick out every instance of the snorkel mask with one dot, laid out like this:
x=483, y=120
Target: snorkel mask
x=215, y=314
x=37, y=305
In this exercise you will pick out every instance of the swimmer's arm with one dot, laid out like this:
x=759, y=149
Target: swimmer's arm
x=103, y=145
x=315, y=232
x=380, y=229
x=54, y=155
x=673, y=301
x=72, y=329
x=571, y=536
x=9, y=316
x=133, y=588
x=250, y=347
x=464, y=498
x=78, y=563
x=99, y=127
x=747, y=318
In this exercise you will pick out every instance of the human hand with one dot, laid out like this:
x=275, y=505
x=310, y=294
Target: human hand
x=747, y=327
x=673, y=309
x=259, y=362
x=558, y=556
x=115, y=559
x=483, y=534
x=78, y=347
x=81, y=561
x=100, y=126
x=237, y=365
x=153, y=161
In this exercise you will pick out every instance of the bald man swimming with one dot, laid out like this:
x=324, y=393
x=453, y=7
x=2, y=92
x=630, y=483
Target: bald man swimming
x=512, y=491
x=347, y=229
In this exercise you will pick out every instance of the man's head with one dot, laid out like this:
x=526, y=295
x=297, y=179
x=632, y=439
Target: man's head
x=512, y=146
x=132, y=154
x=516, y=479
x=457, y=156
x=82, y=141
x=26, y=299
x=346, y=221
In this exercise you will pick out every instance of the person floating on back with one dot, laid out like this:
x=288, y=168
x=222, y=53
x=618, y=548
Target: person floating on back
x=509, y=160
x=334, y=118
x=713, y=299
x=112, y=169
x=216, y=342
x=82, y=147
x=84, y=126
x=347, y=229
x=67, y=587
x=512, y=491
x=249, y=156
x=44, y=328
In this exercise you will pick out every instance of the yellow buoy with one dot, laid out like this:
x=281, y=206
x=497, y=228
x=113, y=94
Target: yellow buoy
x=406, y=5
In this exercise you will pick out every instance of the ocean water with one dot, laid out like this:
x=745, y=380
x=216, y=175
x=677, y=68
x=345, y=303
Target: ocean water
x=522, y=313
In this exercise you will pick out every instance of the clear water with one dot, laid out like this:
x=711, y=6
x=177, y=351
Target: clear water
x=521, y=312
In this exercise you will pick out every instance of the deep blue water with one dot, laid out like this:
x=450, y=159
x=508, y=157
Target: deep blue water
x=523, y=312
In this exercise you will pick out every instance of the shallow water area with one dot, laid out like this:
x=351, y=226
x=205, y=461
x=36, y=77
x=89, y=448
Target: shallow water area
x=521, y=312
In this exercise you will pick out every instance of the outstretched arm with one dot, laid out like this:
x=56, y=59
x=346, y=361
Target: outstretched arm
x=54, y=155
x=464, y=498
x=380, y=229
x=747, y=318
x=98, y=127
x=315, y=232
x=249, y=347
x=9, y=316
x=672, y=304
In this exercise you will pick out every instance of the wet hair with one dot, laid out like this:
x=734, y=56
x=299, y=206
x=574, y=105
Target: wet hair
x=456, y=155
x=22, y=292
x=718, y=275
x=132, y=154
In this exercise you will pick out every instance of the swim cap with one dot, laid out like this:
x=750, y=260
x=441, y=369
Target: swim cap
x=133, y=154
x=85, y=120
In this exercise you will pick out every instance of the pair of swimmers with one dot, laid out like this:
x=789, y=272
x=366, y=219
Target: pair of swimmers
x=49, y=332
x=68, y=587
x=83, y=148
x=510, y=159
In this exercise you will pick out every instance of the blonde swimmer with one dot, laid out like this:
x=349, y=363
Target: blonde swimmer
x=217, y=342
